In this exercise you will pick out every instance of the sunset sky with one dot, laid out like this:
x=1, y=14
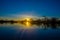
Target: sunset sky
x=14, y=8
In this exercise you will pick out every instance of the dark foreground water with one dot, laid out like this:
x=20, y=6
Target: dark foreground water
x=16, y=33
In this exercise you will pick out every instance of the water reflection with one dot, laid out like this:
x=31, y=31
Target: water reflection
x=32, y=33
x=32, y=25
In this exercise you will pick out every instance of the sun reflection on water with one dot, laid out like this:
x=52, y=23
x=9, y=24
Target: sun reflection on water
x=27, y=23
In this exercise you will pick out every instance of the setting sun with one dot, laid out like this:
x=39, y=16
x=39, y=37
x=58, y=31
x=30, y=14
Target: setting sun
x=27, y=22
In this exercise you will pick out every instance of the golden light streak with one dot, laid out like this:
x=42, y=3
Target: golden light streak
x=27, y=23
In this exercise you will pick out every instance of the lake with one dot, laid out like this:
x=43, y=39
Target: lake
x=36, y=32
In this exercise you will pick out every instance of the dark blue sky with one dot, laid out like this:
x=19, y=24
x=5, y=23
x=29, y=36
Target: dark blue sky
x=15, y=8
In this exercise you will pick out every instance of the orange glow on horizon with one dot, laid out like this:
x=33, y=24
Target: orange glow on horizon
x=27, y=23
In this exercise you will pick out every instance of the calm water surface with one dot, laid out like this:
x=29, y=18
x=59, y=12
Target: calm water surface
x=14, y=32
